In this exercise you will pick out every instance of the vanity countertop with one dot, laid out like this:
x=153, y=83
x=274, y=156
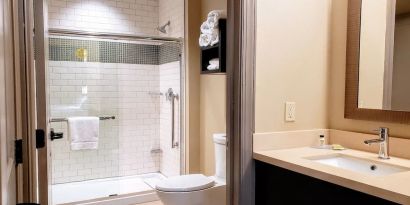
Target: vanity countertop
x=393, y=187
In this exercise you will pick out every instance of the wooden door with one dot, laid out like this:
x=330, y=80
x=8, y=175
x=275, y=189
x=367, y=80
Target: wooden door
x=7, y=106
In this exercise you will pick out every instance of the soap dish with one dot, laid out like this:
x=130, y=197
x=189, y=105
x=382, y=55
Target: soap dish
x=322, y=147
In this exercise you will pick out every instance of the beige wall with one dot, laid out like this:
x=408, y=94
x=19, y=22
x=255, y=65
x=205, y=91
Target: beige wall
x=292, y=63
x=305, y=64
x=337, y=80
x=372, y=53
x=213, y=102
x=192, y=23
x=206, y=107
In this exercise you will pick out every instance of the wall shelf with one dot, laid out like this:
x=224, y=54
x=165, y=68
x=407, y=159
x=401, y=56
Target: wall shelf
x=215, y=51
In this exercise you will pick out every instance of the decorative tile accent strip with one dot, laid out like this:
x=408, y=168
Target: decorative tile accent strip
x=63, y=49
x=169, y=52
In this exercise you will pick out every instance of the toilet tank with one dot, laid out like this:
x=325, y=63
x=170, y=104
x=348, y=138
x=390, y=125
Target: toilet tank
x=220, y=155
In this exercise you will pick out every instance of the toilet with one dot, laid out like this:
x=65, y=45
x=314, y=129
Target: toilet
x=197, y=189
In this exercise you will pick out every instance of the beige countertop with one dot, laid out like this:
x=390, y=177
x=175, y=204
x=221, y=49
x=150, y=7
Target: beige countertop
x=393, y=187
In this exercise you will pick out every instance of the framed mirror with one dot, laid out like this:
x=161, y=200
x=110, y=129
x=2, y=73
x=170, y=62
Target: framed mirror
x=378, y=61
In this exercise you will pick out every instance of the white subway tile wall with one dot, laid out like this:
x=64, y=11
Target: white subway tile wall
x=169, y=77
x=121, y=16
x=172, y=10
x=120, y=90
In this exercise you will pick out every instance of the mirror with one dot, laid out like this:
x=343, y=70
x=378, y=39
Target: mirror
x=384, y=55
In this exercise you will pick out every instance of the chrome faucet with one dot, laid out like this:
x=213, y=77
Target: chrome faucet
x=383, y=141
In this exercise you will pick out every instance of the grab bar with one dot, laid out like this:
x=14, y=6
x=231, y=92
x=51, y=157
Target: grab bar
x=66, y=119
x=170, y=95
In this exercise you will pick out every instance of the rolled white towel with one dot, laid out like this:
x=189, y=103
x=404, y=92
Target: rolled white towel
x=212, y=67
x=205, y=28
x=214, y=61
x=220, y=13
x=209, y=39
x=213, y=18
x=204, y=40
x=214, y=37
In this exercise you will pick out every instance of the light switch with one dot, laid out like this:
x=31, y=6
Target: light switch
x=290, y=112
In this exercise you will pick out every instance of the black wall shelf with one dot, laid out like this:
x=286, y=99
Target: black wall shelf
x=216, y=51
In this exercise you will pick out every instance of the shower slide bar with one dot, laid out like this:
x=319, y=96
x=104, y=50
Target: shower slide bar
x=66, y=119
x=115, y=36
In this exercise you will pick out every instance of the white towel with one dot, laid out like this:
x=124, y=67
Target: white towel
x=213, y=18
x=214, y=61
x=204, y=40
x=205, y=29
x=209, y=28
x=214, y=37
x=83, y=132
x=213, y=67
x=209, y=39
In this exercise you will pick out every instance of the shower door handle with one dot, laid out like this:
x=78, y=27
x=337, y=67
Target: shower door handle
x=55, y=135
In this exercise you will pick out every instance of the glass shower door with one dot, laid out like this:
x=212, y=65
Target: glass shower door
x=80, y=85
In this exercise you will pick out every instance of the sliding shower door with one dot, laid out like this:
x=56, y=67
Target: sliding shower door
x=126, y=84
x=83, y=82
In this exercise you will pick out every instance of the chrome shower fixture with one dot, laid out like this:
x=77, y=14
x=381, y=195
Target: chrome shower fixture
x=163, y=29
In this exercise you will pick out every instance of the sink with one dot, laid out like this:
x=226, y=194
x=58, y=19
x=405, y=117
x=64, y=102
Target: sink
x=360, y=165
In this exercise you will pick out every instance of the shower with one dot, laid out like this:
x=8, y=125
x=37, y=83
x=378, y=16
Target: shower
x=163, y=29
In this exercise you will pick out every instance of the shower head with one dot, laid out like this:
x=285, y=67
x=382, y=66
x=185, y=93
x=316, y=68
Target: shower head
x=163, y=29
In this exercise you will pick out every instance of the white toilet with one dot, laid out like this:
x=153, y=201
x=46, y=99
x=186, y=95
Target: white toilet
x=197, y=189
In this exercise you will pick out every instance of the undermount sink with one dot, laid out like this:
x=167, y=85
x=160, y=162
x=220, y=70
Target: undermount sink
x=359, y=165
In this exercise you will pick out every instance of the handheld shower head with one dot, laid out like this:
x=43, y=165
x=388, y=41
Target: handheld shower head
x=163, y=29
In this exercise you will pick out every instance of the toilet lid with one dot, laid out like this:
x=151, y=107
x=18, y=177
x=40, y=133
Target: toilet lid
x=185, y=183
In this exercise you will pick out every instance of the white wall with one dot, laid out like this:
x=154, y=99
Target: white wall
x=169, y=75
x=372, y=53
x=121, y=16
x=120, y=90
x=292, y=63
x=172, y=10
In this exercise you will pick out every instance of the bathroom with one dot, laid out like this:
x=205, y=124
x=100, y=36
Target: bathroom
x=293, y=102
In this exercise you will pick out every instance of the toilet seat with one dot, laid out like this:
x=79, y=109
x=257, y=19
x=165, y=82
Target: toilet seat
x=185, y=183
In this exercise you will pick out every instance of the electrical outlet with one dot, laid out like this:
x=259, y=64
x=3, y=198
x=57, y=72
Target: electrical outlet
x=290, y=112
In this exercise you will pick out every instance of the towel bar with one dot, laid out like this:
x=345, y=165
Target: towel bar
x=66, y=119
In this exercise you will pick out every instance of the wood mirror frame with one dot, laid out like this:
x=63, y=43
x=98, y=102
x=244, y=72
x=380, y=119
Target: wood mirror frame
x=352, y=111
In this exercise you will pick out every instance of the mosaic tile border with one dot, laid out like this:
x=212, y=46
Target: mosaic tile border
x=64, y=49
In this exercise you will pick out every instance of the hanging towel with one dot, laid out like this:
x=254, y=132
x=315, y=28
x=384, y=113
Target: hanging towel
x=83, y=132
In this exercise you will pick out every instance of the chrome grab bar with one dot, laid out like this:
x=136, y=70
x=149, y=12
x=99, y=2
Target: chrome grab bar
x=170, y=95
x=66, y=119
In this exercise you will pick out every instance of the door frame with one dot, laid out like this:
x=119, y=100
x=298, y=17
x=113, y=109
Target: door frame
x=8, y=108
x=240, y=101
x=25, y=80
x=41, y=101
